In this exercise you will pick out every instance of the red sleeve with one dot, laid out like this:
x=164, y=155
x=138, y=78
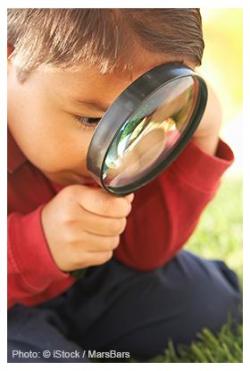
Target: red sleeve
x=167, y=210
x=31, y=269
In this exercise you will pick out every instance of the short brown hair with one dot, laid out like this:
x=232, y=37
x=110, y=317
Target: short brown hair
x=101, y=37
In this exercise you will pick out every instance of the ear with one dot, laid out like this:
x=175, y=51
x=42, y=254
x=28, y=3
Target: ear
x=10, y=49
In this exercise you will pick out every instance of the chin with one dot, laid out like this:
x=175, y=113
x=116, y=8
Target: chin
x=69, y=178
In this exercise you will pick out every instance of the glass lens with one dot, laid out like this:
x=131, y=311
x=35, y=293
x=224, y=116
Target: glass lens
x=149, y=135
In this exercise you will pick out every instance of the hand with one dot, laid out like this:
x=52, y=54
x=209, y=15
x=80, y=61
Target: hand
x=82, y=226
x=206, y=135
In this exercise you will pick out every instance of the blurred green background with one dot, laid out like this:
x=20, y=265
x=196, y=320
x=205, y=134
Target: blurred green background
x=219, y=234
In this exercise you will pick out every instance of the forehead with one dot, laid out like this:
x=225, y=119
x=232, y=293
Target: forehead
x=87, y=83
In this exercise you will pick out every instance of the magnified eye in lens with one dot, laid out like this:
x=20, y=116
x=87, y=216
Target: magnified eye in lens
x=151, y=133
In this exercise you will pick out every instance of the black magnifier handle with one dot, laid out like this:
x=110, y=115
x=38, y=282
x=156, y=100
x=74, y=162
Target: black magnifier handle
x=79, y=273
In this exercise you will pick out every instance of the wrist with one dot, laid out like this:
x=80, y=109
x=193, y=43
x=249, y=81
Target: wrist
x=208, y=143
x=206, y=136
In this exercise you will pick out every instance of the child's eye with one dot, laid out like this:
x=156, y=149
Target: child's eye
x=88, y=121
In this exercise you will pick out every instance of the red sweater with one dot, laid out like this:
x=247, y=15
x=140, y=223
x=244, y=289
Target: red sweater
x=164, y=215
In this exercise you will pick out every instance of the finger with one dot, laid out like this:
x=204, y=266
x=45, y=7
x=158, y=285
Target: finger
x=91, y=259
x=130, y=197
x=99, y=258
x=99, y=202
x=89, y=242
x=100, y=225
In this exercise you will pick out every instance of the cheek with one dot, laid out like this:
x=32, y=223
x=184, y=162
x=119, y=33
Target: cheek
x=61, y=149
x=52, y=142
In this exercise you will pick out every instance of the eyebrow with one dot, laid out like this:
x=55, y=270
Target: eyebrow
x=92, y=105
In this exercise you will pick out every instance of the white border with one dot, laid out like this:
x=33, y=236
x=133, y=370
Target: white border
x=3, y=192
x=3, y=152
x=124, y=4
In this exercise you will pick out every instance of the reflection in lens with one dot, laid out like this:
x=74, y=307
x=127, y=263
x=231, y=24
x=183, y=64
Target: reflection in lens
x=147, y=137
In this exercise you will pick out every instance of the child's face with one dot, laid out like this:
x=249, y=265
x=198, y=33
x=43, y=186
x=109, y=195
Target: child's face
x=46, y=114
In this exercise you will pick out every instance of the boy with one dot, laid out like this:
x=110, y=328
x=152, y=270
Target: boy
x=65, y=68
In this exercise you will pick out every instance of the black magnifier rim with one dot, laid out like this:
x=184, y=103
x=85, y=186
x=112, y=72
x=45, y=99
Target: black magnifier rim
x=125, y=106
x=171, y=156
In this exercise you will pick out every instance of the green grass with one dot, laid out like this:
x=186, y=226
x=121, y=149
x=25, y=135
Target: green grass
x=226, y=347
x=218, y=235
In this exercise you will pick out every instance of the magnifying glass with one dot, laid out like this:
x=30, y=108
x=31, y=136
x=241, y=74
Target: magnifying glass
x=146, y=128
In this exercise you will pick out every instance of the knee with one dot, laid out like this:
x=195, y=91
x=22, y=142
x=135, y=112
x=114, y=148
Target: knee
x=211, y=302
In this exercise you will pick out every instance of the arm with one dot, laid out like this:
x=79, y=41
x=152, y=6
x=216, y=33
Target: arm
x=32, y=274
